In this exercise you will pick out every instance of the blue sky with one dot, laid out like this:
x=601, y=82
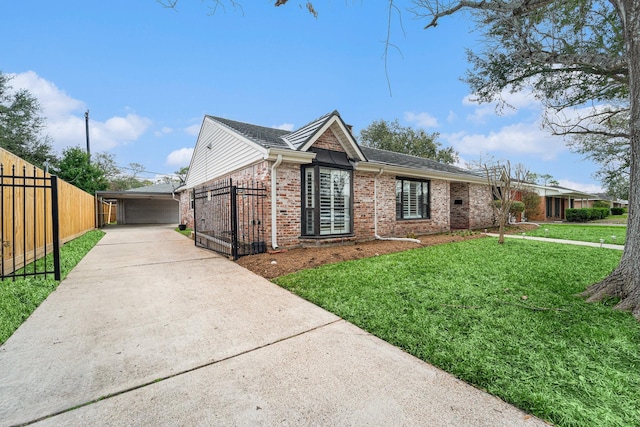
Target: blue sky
x=149, y=74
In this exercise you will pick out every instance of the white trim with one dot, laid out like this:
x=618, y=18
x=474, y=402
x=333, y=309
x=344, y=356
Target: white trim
x=352, y=146
x=288, y=156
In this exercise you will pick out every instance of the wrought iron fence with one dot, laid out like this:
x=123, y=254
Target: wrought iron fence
x=229, y=218
x=30, y=223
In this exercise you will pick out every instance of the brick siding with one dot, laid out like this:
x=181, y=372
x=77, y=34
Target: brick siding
x=459, y=205
x=480, y=211
x=328, y=141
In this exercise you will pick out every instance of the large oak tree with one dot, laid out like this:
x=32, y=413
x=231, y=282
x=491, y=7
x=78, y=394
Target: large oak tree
x=391, y=136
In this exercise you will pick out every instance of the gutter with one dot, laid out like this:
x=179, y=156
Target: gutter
x=274, y=221
x=375, y=214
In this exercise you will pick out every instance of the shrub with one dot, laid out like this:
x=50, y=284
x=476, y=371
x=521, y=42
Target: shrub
x=586, y=214
x=577, y=215
x=516, y=207
x=617, y=211
x=601, y=204
x=600, y=213
x=531, y=201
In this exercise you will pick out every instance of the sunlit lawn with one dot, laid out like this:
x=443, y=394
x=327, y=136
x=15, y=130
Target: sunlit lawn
x=502, y=317
x=19, y=298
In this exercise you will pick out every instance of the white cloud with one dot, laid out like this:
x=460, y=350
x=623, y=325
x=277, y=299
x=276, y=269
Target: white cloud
x=193, y=130
x=181, y=157
x=55, y=103
x=164, y=131
x=451, y=117
x=424, y=120
x=587, y=188
x=285, y=126
x=519, y=138
x=65, y=117
x=513, y=102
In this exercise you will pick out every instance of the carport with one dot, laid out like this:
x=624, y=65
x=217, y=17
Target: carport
x=154, y=204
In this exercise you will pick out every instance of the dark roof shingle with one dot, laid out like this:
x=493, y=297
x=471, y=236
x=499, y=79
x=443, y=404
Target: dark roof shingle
x=264, y=136
x=405, y=160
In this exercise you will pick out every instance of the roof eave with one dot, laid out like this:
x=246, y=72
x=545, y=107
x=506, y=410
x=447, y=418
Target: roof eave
x=417, y=173
x=290, y=156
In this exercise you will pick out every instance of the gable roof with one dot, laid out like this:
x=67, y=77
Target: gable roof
x=302, y=139
x=298, y=140
x=261, y=135
x=406, y=160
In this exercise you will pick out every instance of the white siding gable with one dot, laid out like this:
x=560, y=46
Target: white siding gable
x=220, y=151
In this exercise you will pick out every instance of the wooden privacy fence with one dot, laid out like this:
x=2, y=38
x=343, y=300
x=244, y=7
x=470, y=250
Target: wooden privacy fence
x=27, y=229
x=107, y=212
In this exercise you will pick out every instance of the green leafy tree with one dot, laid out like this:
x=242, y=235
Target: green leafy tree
x=400, y=139
x=106, y=162
x=531, y=201
x=612, y=151
x=182, y=174
x=74, y=167
x=21, y=125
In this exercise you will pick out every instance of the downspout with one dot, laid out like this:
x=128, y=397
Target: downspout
x=274, y=222
x=375, y=214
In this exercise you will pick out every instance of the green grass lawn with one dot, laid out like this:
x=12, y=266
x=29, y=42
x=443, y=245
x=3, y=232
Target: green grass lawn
x=185, y=232
x=583, y=233
x=504, y=318
x=613, y=219
x=19, y=298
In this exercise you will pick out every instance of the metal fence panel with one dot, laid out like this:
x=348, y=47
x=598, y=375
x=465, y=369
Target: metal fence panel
x=30, y=223
x=229, y=219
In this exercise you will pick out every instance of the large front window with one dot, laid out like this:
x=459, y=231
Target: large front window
x=412, y=199
x=326, y=201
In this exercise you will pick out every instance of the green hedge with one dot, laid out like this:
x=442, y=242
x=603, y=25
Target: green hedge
x=617, y=211
x=586, y=214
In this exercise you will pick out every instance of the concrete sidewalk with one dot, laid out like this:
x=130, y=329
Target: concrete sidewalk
x=566, y=242
x=150, y=330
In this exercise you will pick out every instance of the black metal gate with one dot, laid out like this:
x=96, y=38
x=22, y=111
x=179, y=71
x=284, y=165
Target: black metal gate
x=229, y=218
x=30, y=227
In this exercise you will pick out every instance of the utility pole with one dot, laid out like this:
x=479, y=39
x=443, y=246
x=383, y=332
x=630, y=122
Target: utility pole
x=86, y=125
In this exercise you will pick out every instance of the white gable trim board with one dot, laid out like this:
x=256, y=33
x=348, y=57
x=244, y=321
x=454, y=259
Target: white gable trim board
x=343, y=135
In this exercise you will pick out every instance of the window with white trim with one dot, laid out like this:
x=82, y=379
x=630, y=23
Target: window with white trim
x=412, y=199
x=326, y=201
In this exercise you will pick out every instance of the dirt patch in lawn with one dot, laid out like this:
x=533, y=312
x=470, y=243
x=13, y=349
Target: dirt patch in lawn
x=279, y=263
x=274, y=264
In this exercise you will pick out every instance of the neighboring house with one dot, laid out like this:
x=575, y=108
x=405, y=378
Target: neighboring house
x=153, y=204
x=554, y=200
x=322, y=187
x=601, y=197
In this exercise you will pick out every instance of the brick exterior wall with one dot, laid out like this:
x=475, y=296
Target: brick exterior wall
x=480, y=211
x=363, y=205
x=388, y=226
x=288, y=206
x=459, y=205
x=328, y=141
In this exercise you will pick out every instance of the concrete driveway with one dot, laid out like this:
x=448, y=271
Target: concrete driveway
x=150, y=330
